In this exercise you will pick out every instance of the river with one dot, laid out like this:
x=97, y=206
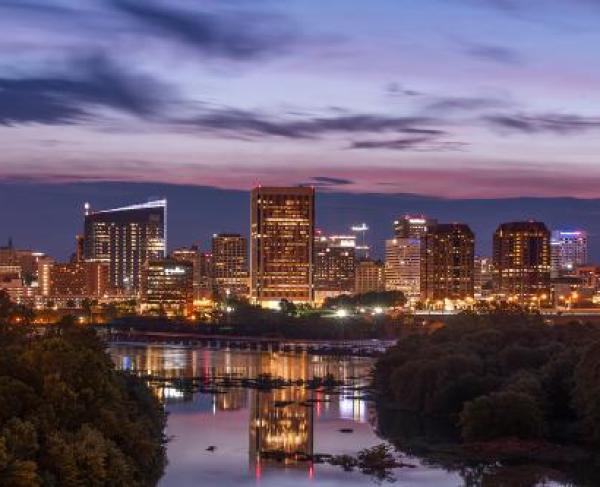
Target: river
x=222, y=437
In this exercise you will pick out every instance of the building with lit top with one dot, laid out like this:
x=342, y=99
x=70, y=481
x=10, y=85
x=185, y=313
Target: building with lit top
x=410, y=226
x=334, y=265
x=522, y=261
x=229, y=272
x=484, y=277
x=369, y=276
x=282, y=228
x=447, y=263
x=403, y=255
x=167, y=287
x=125, y=239
x=568, y=250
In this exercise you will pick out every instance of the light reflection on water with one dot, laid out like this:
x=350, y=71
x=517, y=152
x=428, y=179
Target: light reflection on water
x=246, y=424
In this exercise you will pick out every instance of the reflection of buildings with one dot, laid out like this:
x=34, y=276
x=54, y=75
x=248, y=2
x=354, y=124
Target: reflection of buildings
x=281, y=425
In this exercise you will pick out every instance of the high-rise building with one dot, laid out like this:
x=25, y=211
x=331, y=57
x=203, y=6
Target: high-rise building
x=167, y=286
x=229, y=265
x=369, y=276
x=447, y=260
x=334, y=264
x=522, y=260
x=410, y=226
x=190, y=255
x=403, y=255
x=281, y=245
x=126, y=238
x=11, y=281
x=568, y=249
x=205, y=275
x=403, y=265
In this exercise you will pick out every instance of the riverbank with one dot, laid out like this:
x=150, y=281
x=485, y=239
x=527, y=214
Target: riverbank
x=517, y=390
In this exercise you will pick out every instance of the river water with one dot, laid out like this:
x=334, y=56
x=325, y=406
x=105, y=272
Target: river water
x=222, y=437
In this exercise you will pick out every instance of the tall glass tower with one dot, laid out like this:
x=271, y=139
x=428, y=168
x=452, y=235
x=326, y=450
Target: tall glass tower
x=126, y=238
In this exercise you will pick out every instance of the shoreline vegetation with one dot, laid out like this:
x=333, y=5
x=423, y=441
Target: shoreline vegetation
x=511, y=390
x=67, y=417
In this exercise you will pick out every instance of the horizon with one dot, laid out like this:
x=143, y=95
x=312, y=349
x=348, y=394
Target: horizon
x=63, y=209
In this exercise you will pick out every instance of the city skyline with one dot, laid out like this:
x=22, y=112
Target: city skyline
x=448, y=101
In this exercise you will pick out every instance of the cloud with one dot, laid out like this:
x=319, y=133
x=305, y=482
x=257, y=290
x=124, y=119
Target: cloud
x=497, y=54
x=242, y=36
x=91, y=82
x=563, y=124
x=448, y=104
x=332, y=181
x=422, y=144
x=242, y=122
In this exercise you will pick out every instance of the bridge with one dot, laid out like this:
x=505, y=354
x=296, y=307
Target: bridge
x=363, y=348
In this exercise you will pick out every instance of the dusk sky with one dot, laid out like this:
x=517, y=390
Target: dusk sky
x=452, y=98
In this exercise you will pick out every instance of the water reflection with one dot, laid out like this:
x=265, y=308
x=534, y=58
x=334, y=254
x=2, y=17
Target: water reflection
x=246, y=426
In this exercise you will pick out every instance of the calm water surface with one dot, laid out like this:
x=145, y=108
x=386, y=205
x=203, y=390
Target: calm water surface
x=244, y=423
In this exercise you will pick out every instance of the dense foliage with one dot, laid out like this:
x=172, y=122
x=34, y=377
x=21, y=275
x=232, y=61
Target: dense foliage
x=68, y=418
x=503, y=373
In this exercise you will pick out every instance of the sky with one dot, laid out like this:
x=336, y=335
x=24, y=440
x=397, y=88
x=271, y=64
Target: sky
x=456, y=99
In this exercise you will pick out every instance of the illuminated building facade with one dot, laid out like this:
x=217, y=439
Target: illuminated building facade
x=281, y=244
x=413, y=226
x=229, y=265
x=447, y=260
x=167, y=286
x=568, y=250
x=11, y=281
x=403, y=255
x=76, y=281
x=403, y=265
x=126, y=238
x=334, y=262
x=369, y=276
x=522, y=260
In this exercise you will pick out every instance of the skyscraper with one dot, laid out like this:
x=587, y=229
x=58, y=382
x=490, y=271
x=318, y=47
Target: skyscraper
x=447, y=262
x=229, y=264
x=281, y=244
x=568, y=250
x=412, y=226
x=334, y=265
x=522, y=260
x=126, y=238
x=403, y=254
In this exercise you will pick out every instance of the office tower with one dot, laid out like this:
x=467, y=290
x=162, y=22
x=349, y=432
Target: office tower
x=522, y=260
x=167, y=287
x=281, y=245
x=229, y=265
x=126, y=238
x=484, y=277
x=403, y=265
x=412, y=226
x=447, y=259
x=334, y=263
x=369, y=276
x=568, y=250
x=44, y=272
x=403, y=255
x=77, y=281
